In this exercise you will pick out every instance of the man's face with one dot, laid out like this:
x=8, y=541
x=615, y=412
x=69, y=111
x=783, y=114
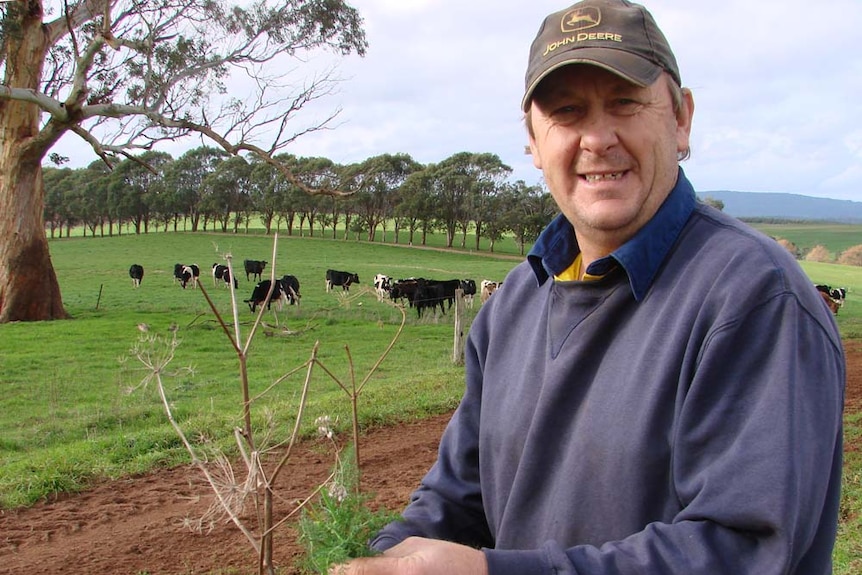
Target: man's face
x=607, y=148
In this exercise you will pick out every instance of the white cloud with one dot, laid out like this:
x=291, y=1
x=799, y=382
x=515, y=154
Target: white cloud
x=776, y=86
x=853, y=142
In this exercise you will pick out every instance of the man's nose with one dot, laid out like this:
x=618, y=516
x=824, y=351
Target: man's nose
x=598, y=132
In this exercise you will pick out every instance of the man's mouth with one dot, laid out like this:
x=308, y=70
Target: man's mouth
x=593, y=178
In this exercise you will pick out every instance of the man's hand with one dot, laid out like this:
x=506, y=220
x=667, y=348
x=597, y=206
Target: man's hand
x=418, y=556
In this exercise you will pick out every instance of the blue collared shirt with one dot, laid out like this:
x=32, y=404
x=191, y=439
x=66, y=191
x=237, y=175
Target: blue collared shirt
x=641, y=256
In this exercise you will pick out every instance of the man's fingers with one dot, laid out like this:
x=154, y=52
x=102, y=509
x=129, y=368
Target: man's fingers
x=367, y=566
x=407, y=547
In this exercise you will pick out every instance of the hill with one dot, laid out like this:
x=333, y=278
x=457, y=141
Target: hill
x=786, y=206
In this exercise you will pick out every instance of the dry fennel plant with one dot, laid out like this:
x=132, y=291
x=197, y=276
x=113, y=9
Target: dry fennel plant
x=249, y=493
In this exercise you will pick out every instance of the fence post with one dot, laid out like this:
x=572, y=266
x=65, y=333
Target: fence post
x=458, y=345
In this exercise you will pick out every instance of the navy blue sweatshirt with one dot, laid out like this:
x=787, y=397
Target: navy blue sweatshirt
x=682, y=415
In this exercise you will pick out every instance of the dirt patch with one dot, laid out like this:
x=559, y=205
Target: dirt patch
x=135, y=526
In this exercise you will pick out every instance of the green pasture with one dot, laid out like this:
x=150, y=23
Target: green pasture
x=75, y=409
x=67, y=418
x=836, y=237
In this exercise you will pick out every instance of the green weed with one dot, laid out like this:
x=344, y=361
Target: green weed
x=339, y=524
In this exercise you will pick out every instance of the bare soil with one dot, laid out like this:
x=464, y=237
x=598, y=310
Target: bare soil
x=136, y=526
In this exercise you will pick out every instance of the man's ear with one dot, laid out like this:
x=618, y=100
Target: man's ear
x=683, y=121
x=531, y=147
x=534, y=151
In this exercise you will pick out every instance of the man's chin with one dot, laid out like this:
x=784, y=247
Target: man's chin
x=609, y=218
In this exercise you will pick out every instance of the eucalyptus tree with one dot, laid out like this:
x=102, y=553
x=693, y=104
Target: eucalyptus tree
x=459, y=184
x=288, y=204
x=77, y=196
x=528, y=210
x=162, y=199
x=400, y=197
x=334, y=207
x=133, y=186
x=226, y=192
x=89, y=197
x=124, y=75
x=342, y=207
x=489, y=175
x=495, y=225
x=263, y=195
x=377, y=181
x=324, y=219
x=95, y=180
x=58, y=182
x=450, y=185
x=415, y=208
x=184, y=181
x=320, y=173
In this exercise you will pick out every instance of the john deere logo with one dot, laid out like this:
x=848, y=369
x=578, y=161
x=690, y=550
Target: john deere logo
x=580, y=19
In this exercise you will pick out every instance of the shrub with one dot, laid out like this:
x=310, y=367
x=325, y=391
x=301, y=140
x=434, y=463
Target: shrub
x=789, y=246
x=818, y=253
x=339, y=526
x=852, y=256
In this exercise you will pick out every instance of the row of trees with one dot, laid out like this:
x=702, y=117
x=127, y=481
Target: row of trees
x=207, y=188
x=124, y=75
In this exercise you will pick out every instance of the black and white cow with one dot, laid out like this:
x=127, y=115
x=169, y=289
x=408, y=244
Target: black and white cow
x=178, y=273
x=468, y=286
x=221, y=275
x=259, y=295
x=291, y=287
x=343, y=279
x=189, y=274
x=253, y=268
x=136, y=272
x=218, y=274
x=838, y=294
x=382, y=286
x=834, y=297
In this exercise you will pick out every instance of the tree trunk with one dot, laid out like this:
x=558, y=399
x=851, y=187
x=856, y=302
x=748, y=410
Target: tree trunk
x=29, y=290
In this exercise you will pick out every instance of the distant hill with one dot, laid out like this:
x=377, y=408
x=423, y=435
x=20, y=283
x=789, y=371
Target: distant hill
x=786, y=206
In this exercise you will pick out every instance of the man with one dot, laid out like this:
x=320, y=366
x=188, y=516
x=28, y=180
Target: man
x=658, y=389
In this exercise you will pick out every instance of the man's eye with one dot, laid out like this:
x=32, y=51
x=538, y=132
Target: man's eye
x=567, y=111
x=625, y=106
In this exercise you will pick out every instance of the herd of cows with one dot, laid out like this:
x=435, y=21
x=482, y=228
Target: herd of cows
x=419, y=293
x=427, y=294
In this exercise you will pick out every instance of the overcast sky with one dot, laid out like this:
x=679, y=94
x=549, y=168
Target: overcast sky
x=777, y=87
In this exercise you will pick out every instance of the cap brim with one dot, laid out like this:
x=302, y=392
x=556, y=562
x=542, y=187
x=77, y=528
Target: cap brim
x=626, y=65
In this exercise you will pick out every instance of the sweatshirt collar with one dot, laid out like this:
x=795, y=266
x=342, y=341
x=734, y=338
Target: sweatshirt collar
x=641, y=256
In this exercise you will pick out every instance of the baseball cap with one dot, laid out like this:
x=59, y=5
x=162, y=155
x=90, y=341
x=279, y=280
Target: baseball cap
x=619, y=36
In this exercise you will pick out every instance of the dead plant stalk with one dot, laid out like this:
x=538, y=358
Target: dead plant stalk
x=230, y=496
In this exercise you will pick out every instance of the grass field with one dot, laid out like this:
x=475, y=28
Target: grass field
x=66, y=416
x=836, y=237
